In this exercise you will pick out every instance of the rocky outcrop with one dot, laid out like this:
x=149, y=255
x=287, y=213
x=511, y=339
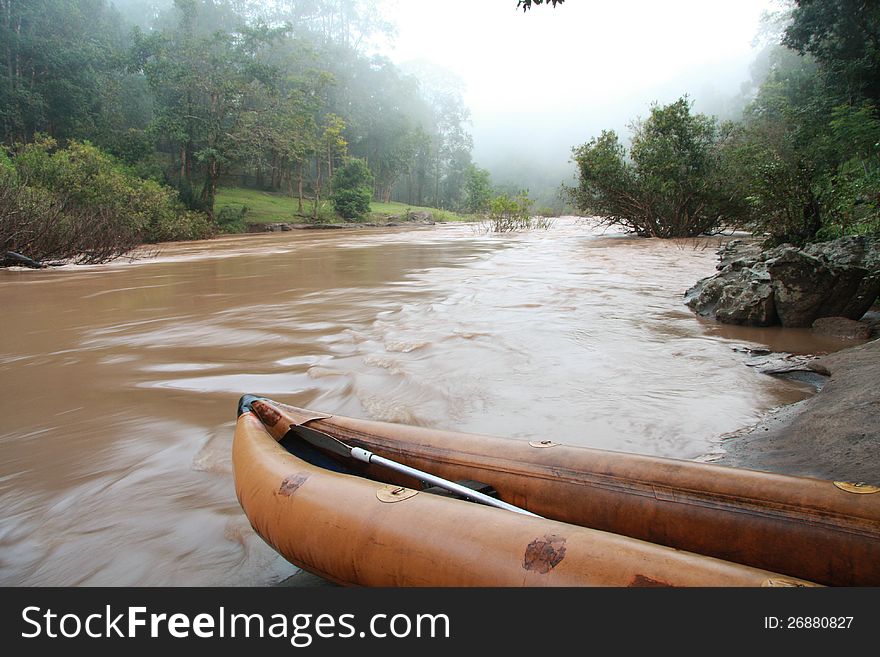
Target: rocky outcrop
x=790, y=286
x=832, y=435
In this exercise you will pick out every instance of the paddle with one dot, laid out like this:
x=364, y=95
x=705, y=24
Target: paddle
x=325, y=441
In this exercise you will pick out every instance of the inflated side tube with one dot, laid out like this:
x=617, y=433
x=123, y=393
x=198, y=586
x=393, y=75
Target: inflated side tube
x=821, y=531
x=355, y=531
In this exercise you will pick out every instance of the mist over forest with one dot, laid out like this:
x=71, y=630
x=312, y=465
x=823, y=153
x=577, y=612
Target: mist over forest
x=418, y=100
x=192, y=107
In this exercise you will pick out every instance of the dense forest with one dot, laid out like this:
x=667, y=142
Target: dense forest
x=119, y=104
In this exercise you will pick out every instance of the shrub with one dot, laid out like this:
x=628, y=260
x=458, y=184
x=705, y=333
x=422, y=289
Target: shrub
x=231, y=219
x=79, y=204
x=35, y=223
x=507, y=214
x=352, y=190
x=82, y=176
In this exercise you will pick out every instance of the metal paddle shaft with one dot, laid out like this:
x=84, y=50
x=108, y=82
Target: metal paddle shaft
x=326, y=441
x=464, y=491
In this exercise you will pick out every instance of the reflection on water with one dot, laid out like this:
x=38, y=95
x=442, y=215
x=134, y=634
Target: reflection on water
x=118, y=384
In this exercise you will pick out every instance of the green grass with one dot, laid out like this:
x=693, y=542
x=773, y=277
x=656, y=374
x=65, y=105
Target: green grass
x=385, y=210
x=262, y=207
x=271, y=207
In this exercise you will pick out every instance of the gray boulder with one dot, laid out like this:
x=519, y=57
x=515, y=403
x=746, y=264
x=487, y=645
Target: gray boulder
x=735, y=296
x=841, y=327
x=790, y=286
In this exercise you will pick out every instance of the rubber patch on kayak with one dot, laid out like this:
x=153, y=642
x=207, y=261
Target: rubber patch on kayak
x=268, y=415
x=544, y=554
x=642, y=581
x=291, y=483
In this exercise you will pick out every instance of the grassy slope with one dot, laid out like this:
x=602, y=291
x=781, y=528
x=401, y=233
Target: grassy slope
x=268, y=207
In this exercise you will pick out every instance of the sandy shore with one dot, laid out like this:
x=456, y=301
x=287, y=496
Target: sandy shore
x=833, y=435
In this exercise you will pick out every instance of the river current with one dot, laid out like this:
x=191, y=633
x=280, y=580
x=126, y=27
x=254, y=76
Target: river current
x=118, y=383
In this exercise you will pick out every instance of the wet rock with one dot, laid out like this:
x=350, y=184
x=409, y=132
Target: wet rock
x=738, y=295
x=841, y=327
x=421, y=216
x=737, y=254
x=808, y=286
x=276, y=227
x=832, y=435
x=794, y=367
x=790, y=286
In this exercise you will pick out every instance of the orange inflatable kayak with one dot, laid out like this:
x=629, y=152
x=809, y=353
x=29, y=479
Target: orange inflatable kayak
x=336, y=509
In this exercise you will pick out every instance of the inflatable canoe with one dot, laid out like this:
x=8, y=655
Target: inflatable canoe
x=341, y=513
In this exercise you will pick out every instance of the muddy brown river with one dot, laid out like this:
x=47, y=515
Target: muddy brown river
x=118, y=383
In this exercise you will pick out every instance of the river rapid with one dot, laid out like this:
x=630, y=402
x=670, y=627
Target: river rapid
x=119, y=383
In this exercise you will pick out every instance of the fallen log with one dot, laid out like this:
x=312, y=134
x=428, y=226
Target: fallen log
x=11, y=259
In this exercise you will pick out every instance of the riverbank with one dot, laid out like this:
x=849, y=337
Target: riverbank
x=832, y=435
x=258, y=211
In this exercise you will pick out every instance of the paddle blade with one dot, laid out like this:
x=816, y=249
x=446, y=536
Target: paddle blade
x=320, y=440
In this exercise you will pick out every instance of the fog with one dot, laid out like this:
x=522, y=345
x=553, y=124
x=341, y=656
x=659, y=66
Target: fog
x=539, y=82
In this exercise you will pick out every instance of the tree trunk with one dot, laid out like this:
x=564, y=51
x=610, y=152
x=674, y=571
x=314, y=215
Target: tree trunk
x=317, y=187
x=299, y=184
x=209, y=190
x=812, y=219
x=329, y=165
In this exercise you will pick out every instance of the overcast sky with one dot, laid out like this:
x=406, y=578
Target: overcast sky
x=549, y=79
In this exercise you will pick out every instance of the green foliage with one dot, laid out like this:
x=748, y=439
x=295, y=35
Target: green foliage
x=844, y=37
x=201, y=81
x=56, y=61
x=477, y=190
x=98, y=209
x=232, y=220
x=667, y=186
x=352, y=190
x=383, y=211
x=508, y=213
x=853, y=196
x=202, y=90
x=803, y=166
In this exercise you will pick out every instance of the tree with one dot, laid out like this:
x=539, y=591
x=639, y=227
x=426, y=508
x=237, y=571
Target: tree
x=442, y=143
x=201, y=83
x=804, y=166
x=478, y=190
x=666, y=187
x=351, y=24
x=844, y=37
x=527, y=4
x=352, y=189
x=55, y=59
